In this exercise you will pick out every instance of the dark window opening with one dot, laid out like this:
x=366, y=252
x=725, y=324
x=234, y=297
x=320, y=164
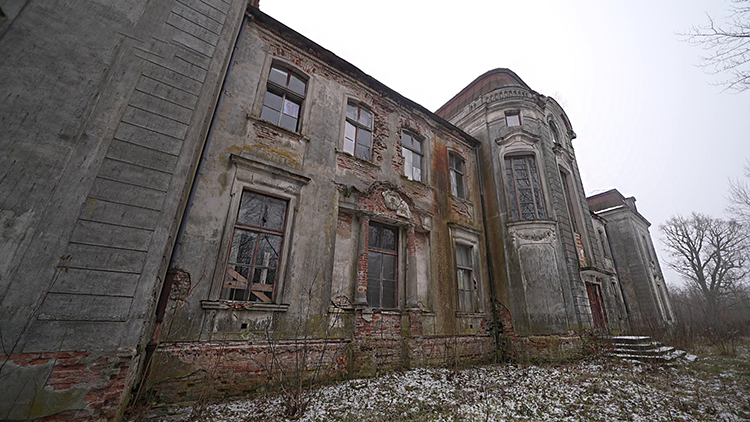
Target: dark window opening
x=382, y=266
x=254, y=255
x=467, y=284
x=456, y=164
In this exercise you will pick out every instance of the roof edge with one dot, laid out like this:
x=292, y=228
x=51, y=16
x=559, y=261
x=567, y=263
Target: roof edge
x=328, y=56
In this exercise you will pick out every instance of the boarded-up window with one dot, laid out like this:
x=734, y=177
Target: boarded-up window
x=256, y=248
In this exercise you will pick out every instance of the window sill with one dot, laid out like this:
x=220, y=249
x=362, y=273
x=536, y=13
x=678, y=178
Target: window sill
x=296, y=135
x=471, y=314
x=419, y=183
x=531, y=223
x=244, y=306
x=357, y=159
x=462, y=200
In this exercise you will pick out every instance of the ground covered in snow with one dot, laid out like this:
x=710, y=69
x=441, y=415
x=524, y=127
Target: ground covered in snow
x=602, y=389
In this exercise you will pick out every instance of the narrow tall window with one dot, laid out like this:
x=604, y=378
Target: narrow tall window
x=467, y=284
x=554, y=133
x=603, y=241
x=526, y=199
x=285, y=93
x=256, y=248
x=569, y=202
x=382, y=261
x=457, y=175
x=411, y=149
x=358, y=131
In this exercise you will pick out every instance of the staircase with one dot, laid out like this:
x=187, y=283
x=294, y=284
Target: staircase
x=643, y=349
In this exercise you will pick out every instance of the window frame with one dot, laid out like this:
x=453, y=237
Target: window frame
x=468, y=238
x=554, y=133
x=286, y=93
x=512, y=113
x=265, y=178
x=513, y=195
x=455, y=172
x=468, y=272
x=358, y=127
x=236, y=225
x=382, y=251
x=417, y=139
x=604, y=243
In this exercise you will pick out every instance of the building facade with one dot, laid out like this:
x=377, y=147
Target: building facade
x=196, y=199
x=643, y=286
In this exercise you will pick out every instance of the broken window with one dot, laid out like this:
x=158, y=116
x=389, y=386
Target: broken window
x=382, y=259
x=522, y=178
x=457, y=175
x=554, y=134
x=358, y=131
x=411, y=149
x=285, y=93
x=467, y=283
x=256, y=247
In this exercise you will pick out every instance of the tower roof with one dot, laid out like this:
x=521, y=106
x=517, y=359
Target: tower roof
x=489, y=81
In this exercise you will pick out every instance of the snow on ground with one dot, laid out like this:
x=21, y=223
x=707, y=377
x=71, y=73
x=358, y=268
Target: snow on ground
x=598, y=390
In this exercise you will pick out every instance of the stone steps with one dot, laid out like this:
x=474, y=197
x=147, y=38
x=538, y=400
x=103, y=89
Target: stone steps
x=642, y=349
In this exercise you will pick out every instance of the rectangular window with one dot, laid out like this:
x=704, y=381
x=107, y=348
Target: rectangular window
x=358, y=131
x=569, y=202
x=411, y=149
x=382, y=271
x=526, y=200
x=513, y=118
x=457, y=175
x=285, y=93
x=467, y=284
x=603, y=242
x=256, y=248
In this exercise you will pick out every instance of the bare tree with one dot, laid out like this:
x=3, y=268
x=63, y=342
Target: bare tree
x=727, y=46
x=710, y=253
x=739, y=197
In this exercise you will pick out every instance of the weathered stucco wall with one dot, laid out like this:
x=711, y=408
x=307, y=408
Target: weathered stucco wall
x=320, y=294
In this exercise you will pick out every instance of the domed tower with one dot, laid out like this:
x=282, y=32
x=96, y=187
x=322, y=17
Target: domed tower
x=543, y=248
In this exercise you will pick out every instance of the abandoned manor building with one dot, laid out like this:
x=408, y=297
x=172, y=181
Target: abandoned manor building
x=196, y=197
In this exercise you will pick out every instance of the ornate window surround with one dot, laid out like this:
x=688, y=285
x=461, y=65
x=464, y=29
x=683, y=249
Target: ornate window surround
x=267, y=178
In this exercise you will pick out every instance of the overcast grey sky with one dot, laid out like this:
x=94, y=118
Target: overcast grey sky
x=648, y=120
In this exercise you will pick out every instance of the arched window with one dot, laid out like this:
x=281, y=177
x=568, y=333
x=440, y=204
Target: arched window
x=285, y=94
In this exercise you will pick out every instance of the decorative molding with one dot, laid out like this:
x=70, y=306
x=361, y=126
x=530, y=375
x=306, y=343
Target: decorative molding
x=532, y=232
x=263, y=166
x=243, y=306
x=394, y=202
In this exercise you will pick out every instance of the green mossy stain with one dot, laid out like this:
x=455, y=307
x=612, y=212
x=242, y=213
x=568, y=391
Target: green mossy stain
x=49, y=402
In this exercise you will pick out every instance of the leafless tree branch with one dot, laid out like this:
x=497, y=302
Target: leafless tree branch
x=727, y=46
